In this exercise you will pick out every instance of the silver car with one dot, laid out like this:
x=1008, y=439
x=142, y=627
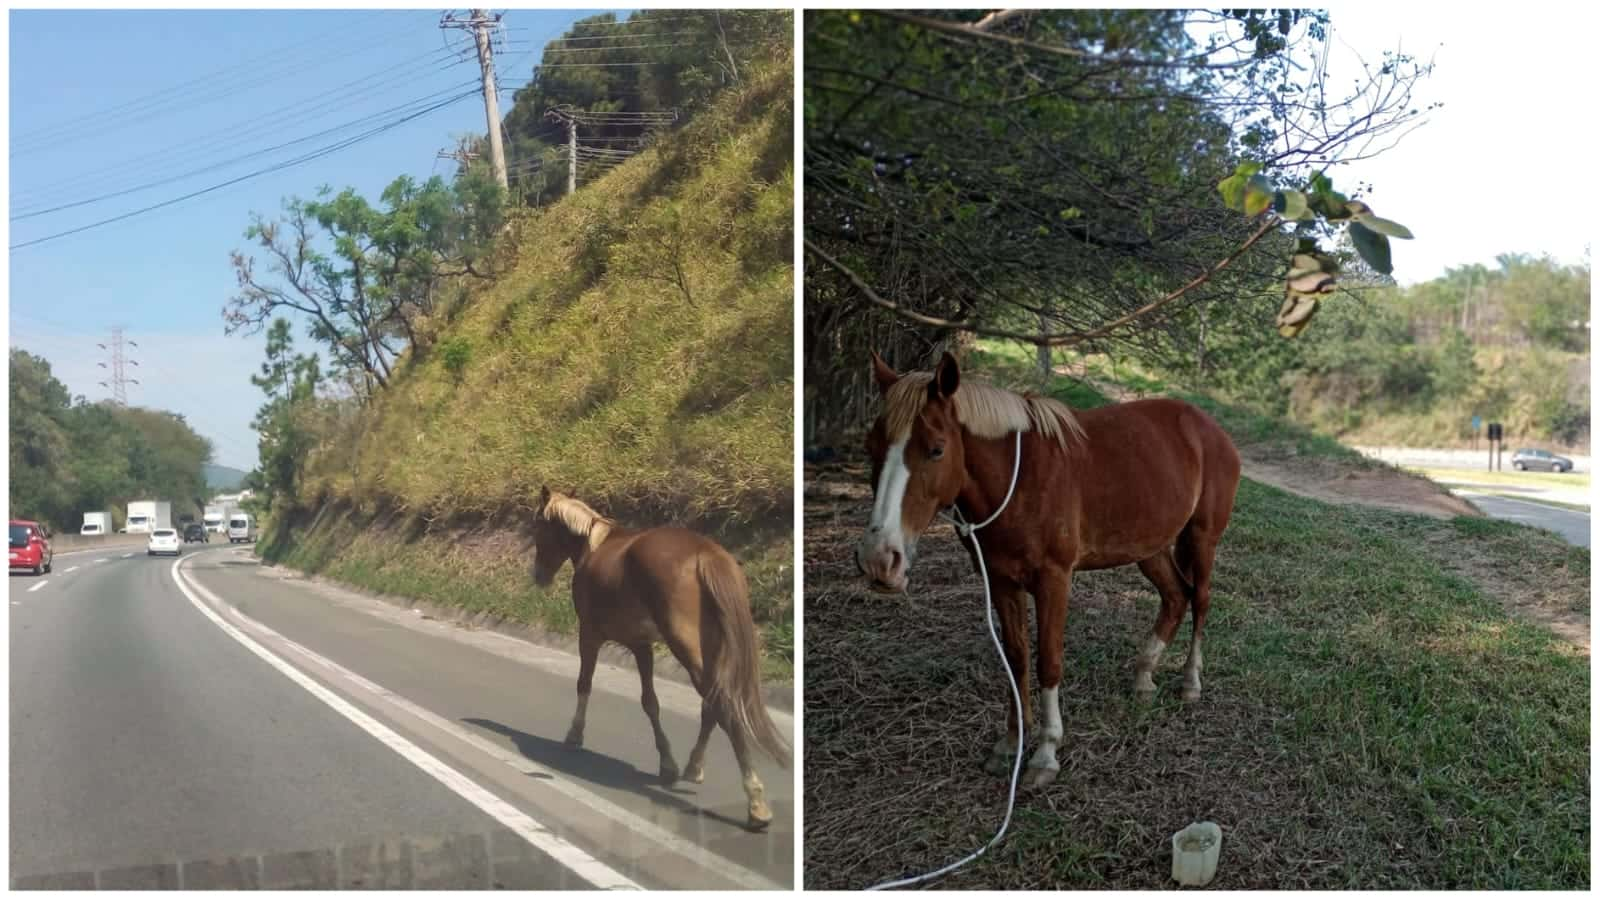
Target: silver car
x=1525, y=459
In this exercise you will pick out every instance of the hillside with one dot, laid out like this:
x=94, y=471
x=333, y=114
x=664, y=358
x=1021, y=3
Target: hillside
x=1389, y=705
x=223, y=478
x=635, y=351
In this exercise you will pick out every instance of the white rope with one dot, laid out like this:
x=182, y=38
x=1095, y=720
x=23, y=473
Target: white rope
x=969, y=531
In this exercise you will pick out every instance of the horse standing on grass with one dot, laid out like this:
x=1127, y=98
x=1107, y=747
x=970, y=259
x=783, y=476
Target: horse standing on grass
x=671, y=585
x=1148, y=482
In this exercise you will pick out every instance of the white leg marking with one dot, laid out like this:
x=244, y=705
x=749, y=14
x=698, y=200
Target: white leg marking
x=1045, y=756
x=1191, y=671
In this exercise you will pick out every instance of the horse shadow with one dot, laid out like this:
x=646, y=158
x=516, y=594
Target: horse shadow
x=596, y=768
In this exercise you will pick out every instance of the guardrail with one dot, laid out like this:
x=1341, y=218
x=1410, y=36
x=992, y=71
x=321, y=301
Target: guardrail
x=67, y=543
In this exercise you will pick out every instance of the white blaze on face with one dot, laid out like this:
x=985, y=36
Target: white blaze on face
x=891, y=494
x=885, y=537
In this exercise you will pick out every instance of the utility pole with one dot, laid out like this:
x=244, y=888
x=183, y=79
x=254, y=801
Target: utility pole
x=480, y=25
x=568, y=117
x=117, y=367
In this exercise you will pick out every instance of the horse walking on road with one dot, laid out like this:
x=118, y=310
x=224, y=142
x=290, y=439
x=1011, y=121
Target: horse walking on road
x=671, y=585
x=1149, y=482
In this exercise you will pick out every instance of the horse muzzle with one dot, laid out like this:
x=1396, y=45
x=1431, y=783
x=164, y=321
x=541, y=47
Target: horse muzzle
x=886, y=567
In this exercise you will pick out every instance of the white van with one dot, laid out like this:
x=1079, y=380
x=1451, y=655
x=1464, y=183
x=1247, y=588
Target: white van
x=241, y=528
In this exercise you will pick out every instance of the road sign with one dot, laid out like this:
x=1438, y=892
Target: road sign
x=1477, y=422
x=1495, y=431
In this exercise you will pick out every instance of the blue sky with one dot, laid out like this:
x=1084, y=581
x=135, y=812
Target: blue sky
x=83, y=123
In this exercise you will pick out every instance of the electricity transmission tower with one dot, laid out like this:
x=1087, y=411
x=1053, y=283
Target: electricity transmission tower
x=481, y=24
x=118, y=367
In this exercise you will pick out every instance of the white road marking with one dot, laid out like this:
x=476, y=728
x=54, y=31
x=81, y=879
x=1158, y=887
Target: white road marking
x=550, y=778
x=39, y=585
x=564, y=852
x=101, y=559
x=71, y=570
x=126, y=555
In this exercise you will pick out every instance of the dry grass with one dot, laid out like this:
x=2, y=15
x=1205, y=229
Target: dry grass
x=590, y=369
x=592, y=366
x=1372, y=717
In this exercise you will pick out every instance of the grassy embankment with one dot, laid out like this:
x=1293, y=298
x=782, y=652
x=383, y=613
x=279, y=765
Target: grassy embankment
x=1374, y=716
x=637, y=353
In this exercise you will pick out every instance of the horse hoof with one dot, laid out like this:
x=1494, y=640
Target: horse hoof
x=574, y=740
x=669, y=775
x=760, y=818
x=1038, y=778
x=695, y=775
x=1144, y=695
x=1191, y=695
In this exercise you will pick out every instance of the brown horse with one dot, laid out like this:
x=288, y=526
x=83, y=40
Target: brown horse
x=1149, y=482
x=671, y=585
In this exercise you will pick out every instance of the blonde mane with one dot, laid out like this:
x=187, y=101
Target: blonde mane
x=578, y=518
x=986, y=411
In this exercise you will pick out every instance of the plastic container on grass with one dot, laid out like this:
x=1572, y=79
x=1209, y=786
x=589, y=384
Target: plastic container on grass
x=1194, y=854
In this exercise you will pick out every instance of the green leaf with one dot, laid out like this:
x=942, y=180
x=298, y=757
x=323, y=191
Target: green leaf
x=1373, y=247
x=1320, y=184
x=1247, y=168
x=1291, y=205
x=1257, y=195
x=1385, y=227
x=1232, y=189
x=1070, y=213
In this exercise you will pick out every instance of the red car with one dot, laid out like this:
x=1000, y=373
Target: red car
x=30, y=547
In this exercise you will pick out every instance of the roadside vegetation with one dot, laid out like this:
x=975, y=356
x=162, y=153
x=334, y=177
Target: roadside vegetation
x=1391, y=701
x=70, y=456
x=629, y=343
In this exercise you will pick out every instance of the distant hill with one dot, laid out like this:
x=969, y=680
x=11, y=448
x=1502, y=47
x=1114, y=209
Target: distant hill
x=223, y=478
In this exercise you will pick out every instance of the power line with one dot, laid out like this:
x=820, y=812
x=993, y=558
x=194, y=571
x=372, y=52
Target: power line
x=241, y=132
x=316, y=154
x=238, y=159
x=68, y=133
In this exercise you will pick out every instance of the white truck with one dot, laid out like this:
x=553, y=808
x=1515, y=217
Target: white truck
x=96, y=523
x=217, y=514
x=145, y=516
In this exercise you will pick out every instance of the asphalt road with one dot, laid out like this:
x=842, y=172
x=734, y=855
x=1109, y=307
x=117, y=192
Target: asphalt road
x=286, y=739
x=1570, y=524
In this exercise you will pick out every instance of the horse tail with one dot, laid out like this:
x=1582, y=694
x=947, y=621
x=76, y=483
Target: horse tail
x=733, y=678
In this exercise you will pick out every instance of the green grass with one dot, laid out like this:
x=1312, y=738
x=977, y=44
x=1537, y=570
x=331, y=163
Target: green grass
x=1372, y=719
x=485, y=571
x=1384, y=704
x=1576, y=481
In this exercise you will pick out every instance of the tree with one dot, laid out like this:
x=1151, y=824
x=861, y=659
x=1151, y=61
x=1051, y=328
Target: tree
x=70, y=456
x=655, y=61
x=290, y=382
x=367, y=278
x=1052, y=175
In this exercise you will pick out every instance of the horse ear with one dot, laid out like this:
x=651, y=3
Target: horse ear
x=946, y=378
x=544, y=496
x=885, y=376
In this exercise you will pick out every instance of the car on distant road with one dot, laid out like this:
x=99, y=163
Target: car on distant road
x=164, y=540
x=30, y=546
x=1526, y=459
x=195, y=533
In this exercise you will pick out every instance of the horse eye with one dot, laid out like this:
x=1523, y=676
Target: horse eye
x=936, y=453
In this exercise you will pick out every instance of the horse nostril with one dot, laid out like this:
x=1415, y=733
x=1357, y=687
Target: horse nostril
x=874, y=529
x=895, y=558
